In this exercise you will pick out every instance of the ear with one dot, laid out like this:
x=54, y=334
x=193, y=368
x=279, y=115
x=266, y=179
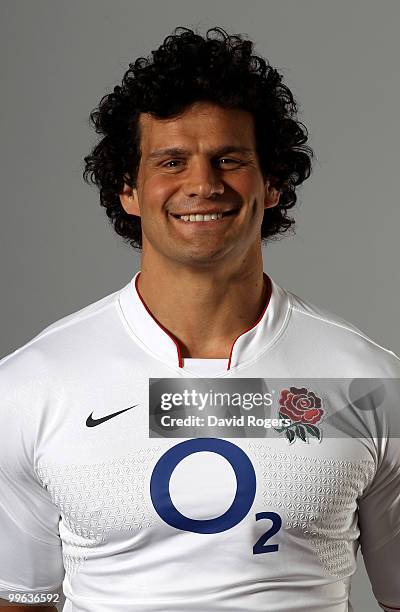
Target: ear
x=129, y=200
x=272, y=195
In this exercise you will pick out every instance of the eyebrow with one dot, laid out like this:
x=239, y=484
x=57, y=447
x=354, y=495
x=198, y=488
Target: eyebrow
x=180, y=151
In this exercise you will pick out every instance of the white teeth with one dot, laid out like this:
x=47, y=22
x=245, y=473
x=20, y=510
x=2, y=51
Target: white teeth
x=197, y=217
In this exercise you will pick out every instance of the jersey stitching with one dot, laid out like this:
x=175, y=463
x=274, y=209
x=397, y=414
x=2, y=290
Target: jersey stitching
x=308, y=314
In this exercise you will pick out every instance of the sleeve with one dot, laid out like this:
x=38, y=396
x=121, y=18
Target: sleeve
x=379, y=521
x=30, y=547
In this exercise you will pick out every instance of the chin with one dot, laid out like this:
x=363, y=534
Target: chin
x=196, y=258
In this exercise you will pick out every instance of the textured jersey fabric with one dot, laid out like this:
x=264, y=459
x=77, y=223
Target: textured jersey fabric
x=75, y=503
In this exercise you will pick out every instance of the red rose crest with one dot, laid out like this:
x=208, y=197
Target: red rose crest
x=303, y=408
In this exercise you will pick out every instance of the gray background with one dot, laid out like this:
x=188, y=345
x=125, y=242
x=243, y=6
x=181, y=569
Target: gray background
x=341, y=60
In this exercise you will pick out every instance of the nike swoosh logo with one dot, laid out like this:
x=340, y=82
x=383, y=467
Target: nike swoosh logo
x=90, y=422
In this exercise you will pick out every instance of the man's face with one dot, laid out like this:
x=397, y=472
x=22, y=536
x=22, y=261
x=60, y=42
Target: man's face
x=203, y=162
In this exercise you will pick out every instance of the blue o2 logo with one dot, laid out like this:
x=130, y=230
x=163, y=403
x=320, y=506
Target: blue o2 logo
x=245, y=478
x=241, y=505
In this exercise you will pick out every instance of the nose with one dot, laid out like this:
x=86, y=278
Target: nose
x=202, y=180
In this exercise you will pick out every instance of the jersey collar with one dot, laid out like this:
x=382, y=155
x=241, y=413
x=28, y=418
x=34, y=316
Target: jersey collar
x=156, y=339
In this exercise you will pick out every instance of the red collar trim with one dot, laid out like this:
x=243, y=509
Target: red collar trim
x=268, y=283
x=180, y=360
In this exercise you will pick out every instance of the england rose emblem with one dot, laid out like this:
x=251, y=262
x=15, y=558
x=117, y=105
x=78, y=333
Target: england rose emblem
x=303, y=408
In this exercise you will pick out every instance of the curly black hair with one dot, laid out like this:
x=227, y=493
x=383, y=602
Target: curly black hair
x=186, y=68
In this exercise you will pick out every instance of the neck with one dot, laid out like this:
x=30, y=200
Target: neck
x=204, y=310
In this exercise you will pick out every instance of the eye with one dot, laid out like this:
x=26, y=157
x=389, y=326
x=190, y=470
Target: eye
x=228, y=161
x=172, y=163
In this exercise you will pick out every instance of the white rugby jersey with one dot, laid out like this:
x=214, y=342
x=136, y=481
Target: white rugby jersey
x=75, y=500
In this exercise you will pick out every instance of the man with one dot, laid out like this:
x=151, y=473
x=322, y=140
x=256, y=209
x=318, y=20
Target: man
x=199, y=160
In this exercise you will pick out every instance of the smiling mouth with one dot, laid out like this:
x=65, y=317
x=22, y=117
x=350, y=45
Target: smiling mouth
x=205, y=217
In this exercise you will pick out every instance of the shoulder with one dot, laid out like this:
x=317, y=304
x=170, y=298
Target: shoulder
x=68, y=334
x=333, y=337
